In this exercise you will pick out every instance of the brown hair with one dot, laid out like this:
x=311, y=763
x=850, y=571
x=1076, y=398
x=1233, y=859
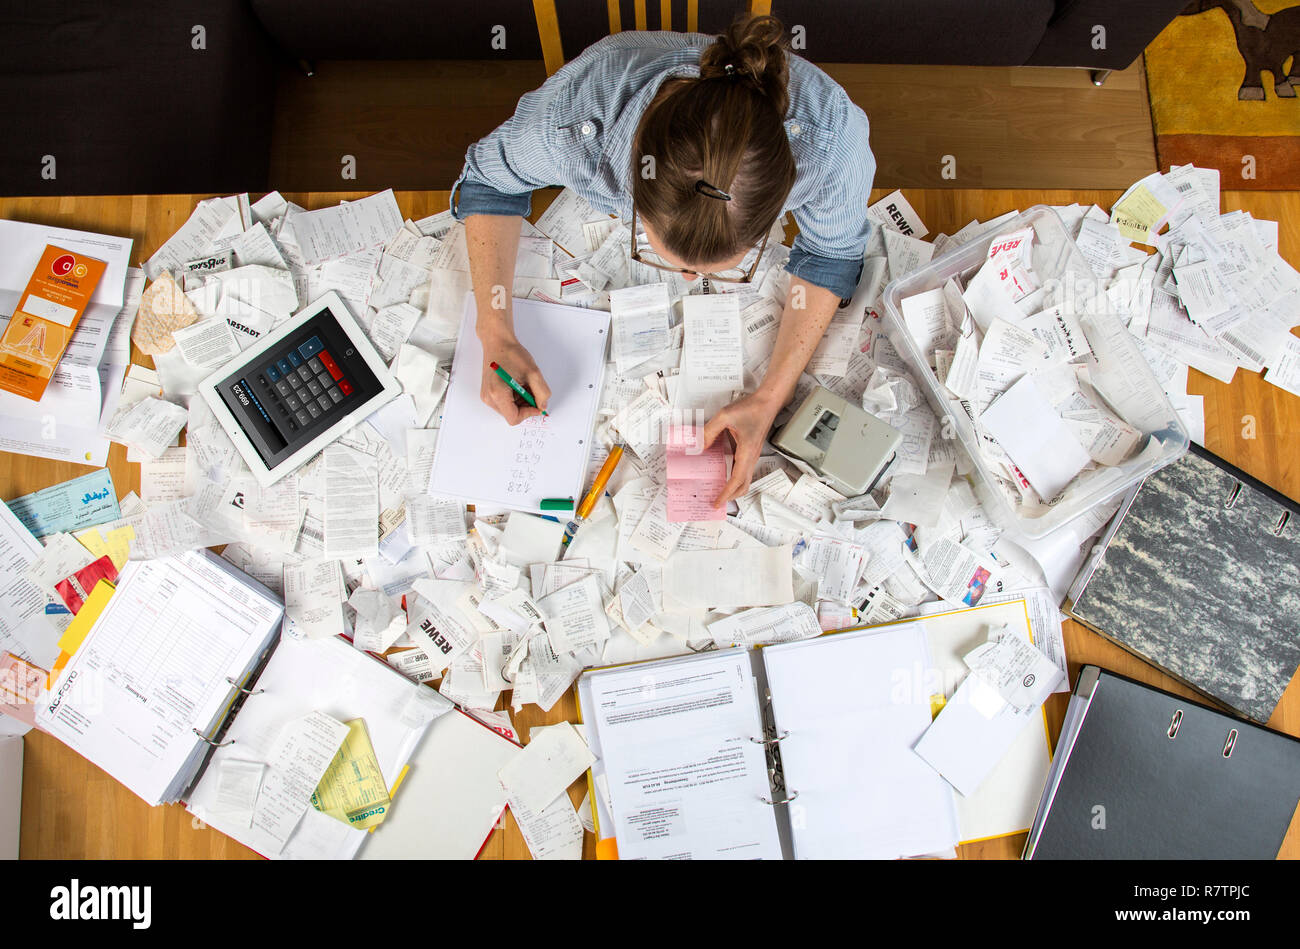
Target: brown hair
x=724, y=129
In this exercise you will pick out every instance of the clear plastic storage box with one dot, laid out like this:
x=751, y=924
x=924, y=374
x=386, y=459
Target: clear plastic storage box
x=1060, y=265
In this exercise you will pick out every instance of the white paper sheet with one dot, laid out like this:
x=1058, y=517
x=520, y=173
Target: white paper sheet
x=575, y=616
x=767, y=624
x=313, y=599
x=480, y=457
x=639, y=321
x=754, y=576
x=347, y=227
x=854, y=708
x=1035, y=437
x=351, y=513
x=684, y=778
x=712, y=353
x=553, y=759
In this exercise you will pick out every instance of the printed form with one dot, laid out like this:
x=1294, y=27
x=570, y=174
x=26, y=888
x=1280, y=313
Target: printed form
x=153, y=668
x=684, y=778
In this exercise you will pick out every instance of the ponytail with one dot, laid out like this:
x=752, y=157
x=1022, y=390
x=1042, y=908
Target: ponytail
x=755, y=49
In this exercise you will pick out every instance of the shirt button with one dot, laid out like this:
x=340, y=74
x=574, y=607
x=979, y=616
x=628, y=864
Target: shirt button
x=588, y=128
x=795, y=129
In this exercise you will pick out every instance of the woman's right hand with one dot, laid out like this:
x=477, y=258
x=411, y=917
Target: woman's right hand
x=505, y=350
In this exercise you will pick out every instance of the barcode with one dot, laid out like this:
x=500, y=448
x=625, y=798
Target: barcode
x=1236, y=343
x=761, y=322
x=313, y=533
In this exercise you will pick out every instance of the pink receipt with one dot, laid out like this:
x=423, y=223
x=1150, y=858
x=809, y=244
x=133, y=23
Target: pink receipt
x=695, y=477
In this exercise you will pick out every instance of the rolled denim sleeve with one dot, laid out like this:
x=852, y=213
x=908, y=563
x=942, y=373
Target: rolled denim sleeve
x=473, y=197
x=834, y=227
x=503, y=168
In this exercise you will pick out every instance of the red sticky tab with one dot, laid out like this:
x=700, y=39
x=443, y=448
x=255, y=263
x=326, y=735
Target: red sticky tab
x=75, y=588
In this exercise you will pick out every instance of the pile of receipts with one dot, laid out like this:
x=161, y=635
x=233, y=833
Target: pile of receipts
x=485, y=602
x=1044, y=364
x=1050, y=391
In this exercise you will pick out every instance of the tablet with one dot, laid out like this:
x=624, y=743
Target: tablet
x=297, y=389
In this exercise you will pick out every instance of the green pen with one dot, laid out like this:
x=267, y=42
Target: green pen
x=523, y=393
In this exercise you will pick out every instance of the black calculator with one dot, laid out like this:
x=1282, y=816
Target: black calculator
x=295, y=388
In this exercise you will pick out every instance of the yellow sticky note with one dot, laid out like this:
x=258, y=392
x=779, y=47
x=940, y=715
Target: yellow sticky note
x=392, y=791
x=1138, y=215
x=353, y=789
x=91, y=540
x=116, y=545
x=937, y=702
x=75, y=634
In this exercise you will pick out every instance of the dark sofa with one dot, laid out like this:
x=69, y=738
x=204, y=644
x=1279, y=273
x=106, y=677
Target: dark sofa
x=155, y=96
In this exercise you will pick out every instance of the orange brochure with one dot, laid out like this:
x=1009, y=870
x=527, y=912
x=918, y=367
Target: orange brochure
x=48, y=312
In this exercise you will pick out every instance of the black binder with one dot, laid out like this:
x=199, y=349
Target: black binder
x=1200, y=576
x=1143, y=774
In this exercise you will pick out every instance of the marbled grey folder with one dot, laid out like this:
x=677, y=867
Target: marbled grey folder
x=1202, y=578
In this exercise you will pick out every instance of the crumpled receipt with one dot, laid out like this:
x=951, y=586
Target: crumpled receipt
x=1018, y=671
x=164, y=308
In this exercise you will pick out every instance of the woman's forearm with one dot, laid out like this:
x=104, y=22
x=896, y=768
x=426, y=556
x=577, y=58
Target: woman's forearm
x=808, y=311
x=492, y=242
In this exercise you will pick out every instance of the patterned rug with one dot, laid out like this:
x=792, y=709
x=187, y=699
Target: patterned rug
x=1206, y=113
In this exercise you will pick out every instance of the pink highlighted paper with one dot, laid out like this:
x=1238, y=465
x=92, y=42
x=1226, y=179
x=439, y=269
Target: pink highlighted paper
x=695, y=477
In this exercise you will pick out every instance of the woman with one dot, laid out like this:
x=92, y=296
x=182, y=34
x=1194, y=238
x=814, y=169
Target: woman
x=739, y=130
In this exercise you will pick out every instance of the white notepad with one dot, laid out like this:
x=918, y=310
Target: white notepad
x=480, y=457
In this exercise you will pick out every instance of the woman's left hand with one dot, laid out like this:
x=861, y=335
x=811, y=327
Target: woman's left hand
x=747, y=421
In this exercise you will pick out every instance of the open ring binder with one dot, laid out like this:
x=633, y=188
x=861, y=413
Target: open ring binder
x=214, y=744
x=240, y=688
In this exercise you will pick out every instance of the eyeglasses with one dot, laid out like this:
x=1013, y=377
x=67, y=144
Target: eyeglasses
x=735, y=275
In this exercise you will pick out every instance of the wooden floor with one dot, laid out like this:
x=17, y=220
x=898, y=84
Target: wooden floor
x=408, y=123
x=73, y=810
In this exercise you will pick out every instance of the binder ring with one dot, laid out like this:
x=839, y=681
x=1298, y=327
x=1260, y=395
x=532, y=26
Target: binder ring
x=788, y=798
x=770, y=741
x=1232, y=498
x=240, y=688
x=1174, y=723
x=1281, y=523
x=214, y=744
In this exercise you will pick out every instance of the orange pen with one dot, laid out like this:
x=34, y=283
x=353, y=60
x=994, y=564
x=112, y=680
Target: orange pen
x=597, y=489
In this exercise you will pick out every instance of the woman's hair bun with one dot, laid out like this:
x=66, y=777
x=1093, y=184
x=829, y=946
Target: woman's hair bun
x=755, y=49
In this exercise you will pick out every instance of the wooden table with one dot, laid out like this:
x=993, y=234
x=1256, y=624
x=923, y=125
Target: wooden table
x=71, y=809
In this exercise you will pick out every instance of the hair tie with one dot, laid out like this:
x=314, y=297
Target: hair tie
x=711, y=191
x=729, y=69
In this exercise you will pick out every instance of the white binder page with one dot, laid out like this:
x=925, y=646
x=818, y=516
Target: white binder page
x=480, y=457
x=329, y=676
x=154, y=666
x=854, y=704
x=684, y=779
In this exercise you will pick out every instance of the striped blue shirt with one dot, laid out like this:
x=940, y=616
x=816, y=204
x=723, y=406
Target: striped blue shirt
x=577, y=129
